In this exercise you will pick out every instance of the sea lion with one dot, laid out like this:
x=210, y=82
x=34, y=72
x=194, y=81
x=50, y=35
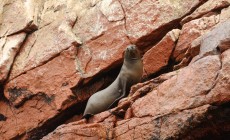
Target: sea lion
x=130, y=73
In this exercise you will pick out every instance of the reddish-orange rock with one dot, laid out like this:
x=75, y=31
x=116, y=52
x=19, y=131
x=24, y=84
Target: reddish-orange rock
x=158, y=56
x=224, y=44
x=75, y=48
x=186, y=47
x=83, y=131
x=173, y=125
x=185, y=90
x=9, y=47
x=43, y=92
x=207, y=7
x=128, y=114
x=103, y=53
x=14, y=17
x=220, y=92
x=96, y=18
x=104, y=47
x=211, y=40
x=177, y=125
x=30, y=115
x=177, y=108
x=143, y=30
x=190, y=31
x=101, y=27
x=43, y=45
x=53, y=80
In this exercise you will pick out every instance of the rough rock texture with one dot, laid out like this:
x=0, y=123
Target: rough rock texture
x=54, y=71
x=153, y=60
x=191, y=31
x=211, y=40
x=131, y=25
x=9, y=48
x=194, y=30
x=14, y=17
x=207, y=8
x=173, y=109
x=142, y=30
x=44, y=44
x=55, y=54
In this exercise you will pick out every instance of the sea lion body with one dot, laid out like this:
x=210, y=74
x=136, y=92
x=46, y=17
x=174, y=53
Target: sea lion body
x=130, y=74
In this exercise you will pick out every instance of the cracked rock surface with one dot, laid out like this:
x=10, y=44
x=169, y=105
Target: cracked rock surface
x=55, y=54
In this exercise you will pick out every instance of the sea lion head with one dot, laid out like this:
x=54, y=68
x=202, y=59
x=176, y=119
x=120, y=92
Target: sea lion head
x=132, y=53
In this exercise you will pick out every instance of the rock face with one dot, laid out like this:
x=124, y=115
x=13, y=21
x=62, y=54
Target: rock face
x=55, y=54
x=207, y=8
x=194, y=29
x=9, y=48
x=153, y=59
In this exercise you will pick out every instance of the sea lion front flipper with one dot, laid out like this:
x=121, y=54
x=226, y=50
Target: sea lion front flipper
x=123, y=83
x=86, y=116
x=116, y=101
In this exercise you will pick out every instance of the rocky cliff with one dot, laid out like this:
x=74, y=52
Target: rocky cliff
x=54, y=54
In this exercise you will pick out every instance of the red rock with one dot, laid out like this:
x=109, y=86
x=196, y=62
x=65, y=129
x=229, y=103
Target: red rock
x=137, y=128
x=52, y=73
x=44, y=91
x=211, y=42
x=9, y=24
x=157, y=116
x=30, y=115
x=185, y=90
x=9, y=48
x=191, y=31
x=128, y=114
x=112, y=10
x=103, y=53
x=100, y=117
x=104, y=41
x=174, y=125
x=95, y=19
x=210, y=5
x=177, y=125
x=224, y=44
x=158, y=56
x=51, y=79
x=220, y=92
x=177, y=121
x=43, y=45
x=212, y=39
x=143, y=30
x=91, y=131
x=182, y=123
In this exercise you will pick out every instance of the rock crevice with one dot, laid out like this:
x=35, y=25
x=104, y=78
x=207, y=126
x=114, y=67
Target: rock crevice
x=55, y=54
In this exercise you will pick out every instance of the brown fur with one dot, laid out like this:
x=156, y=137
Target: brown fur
x=130, y=74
